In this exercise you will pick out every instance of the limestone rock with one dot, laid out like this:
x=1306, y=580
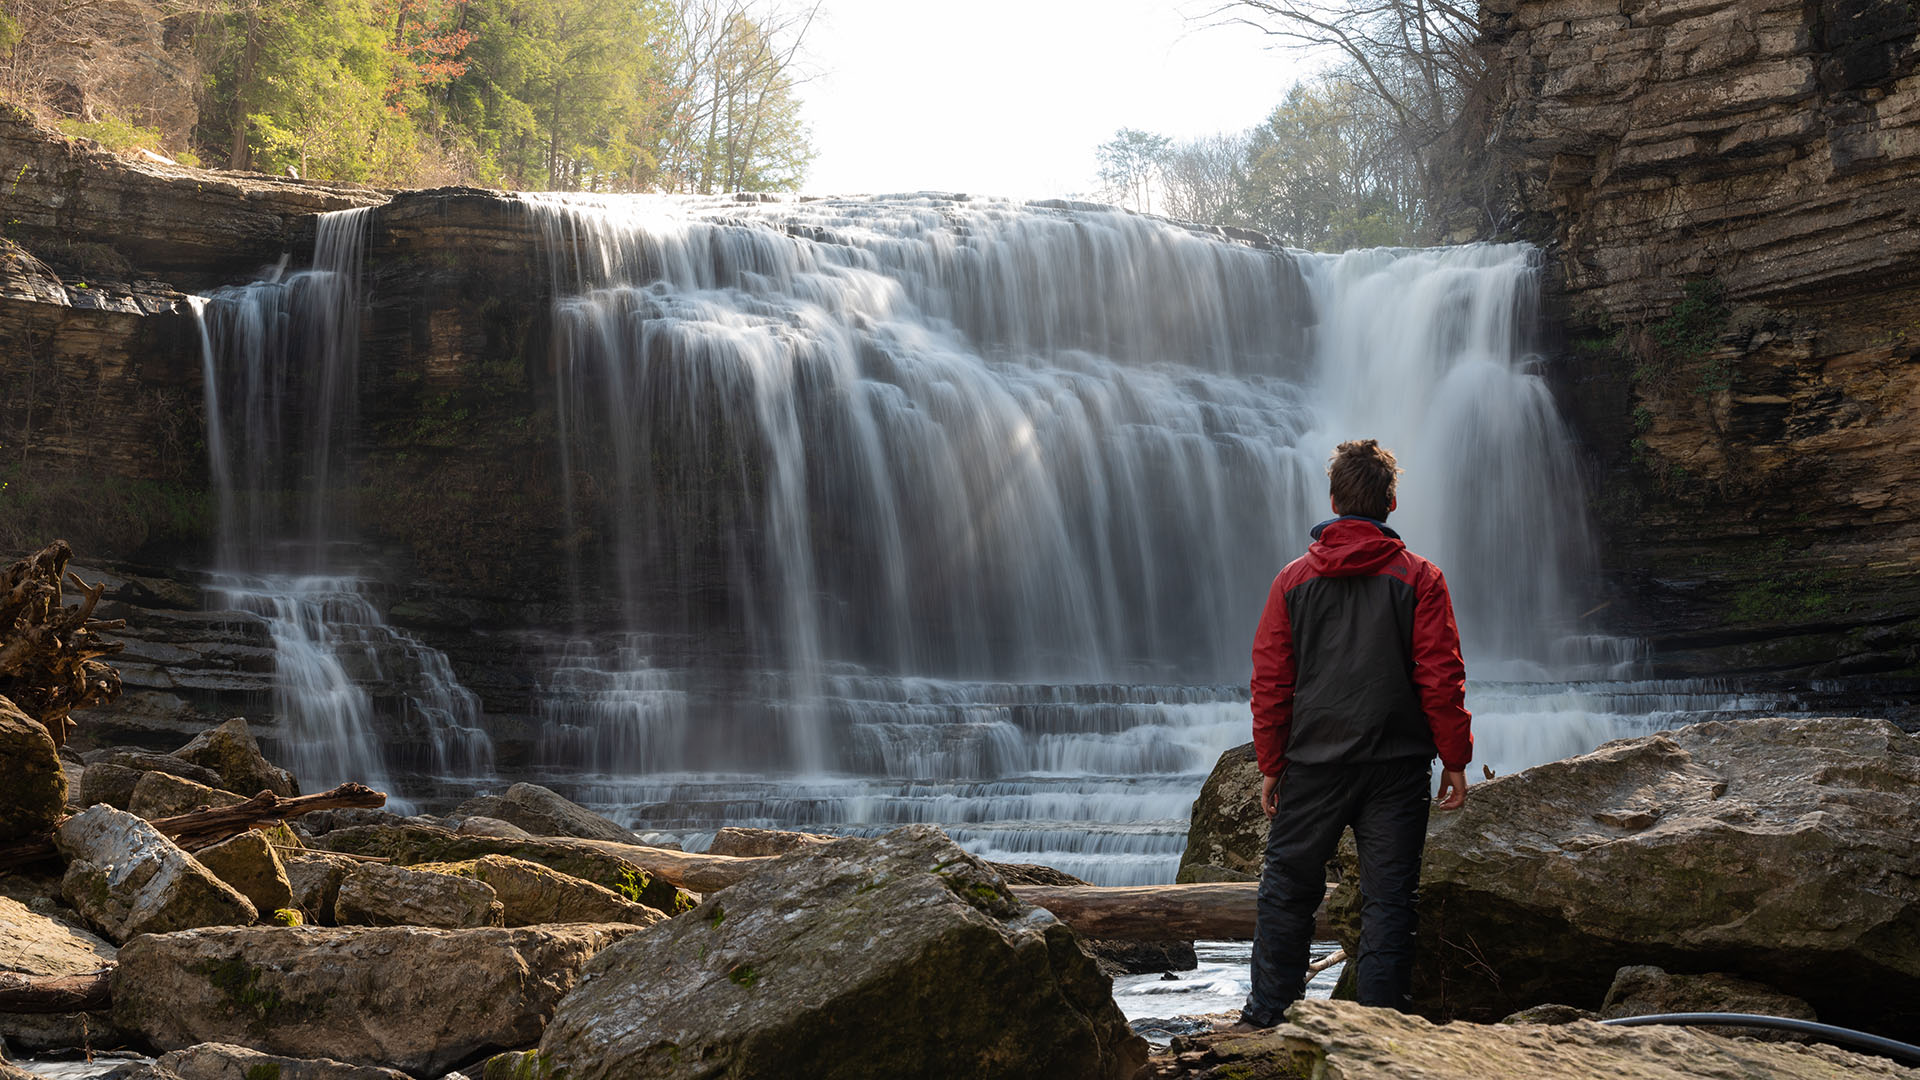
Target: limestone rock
x=158, y=795
x=223, y=1061
x=126, y=879
x=532, y=894
x=35, y=793
x=407, y=844
x=1644, y=990
x=101, y=782
x=405, y=997
x=249, y=864
x=745, y=843
x=1550, y=1014
x=1227, y=832
x=375, y=894
x=542, y=812
x=133, y=757
x=479, y=825
x=1114, y=957
x=777, y=975
x=1775, y=850
x=314, y=880
x=231, y=751
x=1350, y=1041
x=35, y=944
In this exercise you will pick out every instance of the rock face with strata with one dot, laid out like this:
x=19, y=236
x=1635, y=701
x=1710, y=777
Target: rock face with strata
x=1725, y=192
x=402, y=997
x=1779, y=851
x=777, y=975
x=1227, y=831
x=126, y=879
x=1342, y=1039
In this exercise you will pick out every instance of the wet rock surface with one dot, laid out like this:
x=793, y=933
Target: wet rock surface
x=780, y=975
x=1778, y=851
x=126, y=879
x=1227, y=833
x=1350, y=1041
x=409, y=998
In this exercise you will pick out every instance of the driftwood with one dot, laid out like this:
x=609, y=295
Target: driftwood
x=203, y=827
x=55, y=993
x=49, y=652
x=1221, y=910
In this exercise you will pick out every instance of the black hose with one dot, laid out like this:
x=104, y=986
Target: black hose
x=1838, y=1036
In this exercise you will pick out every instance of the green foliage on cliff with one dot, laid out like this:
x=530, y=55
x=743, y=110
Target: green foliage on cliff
x=671, y=95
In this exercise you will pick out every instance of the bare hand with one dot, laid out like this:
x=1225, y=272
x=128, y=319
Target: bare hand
x=1270, y=794
x=1453, y=789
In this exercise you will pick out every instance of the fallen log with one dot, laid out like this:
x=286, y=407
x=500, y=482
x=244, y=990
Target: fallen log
x=87, y=992
x=1218, y=910
x=1215, y=911
x=203, y=827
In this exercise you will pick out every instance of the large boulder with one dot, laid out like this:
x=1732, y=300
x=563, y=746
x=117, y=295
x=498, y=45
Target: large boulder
x=1227, y=831
x=223, y=1061
x=231, y=751
x=126, y=879
x=249, y=863
x=102, y=782
x=1778, y=850
x=35, y=944
x=1350, y=1041
x=139, y=760
x=407, y=844
x=159, y=795
x=313, y=879
x=1114, y=956
x=35, y=793
x=532, y=894
x=748, y=843
x=375, y=894
x=543, y=812
x=895, y=956
x=404, y=997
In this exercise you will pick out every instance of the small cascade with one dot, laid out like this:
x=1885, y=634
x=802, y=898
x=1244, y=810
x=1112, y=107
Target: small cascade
x=281, y=359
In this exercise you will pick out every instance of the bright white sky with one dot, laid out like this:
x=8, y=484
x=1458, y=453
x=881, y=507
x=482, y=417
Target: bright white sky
x=1011, y=97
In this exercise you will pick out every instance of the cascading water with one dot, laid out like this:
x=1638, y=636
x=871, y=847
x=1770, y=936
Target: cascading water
x=281, y=364
x=989, y=495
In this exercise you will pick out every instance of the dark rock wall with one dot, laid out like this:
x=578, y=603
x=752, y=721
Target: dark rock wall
x=1726, y=189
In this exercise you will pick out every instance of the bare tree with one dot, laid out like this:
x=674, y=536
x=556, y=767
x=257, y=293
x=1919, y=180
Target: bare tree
x=1200, y=177
x=731, y=120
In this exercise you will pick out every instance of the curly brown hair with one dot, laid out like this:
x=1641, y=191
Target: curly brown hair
x=1361, y=476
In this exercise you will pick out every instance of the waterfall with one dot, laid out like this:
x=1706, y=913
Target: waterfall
x=281, y=366
x=989, y=495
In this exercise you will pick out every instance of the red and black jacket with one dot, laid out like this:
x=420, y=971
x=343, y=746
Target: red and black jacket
x=1357, y=657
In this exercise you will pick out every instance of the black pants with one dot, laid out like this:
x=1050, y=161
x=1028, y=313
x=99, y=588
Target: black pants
x=1386, y=804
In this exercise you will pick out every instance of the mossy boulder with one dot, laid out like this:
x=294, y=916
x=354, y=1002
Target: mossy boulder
x=159, y=795
x=409, y=844
x=375, y=894
x=532, y=894
x=1779, y=851
x=404, y=997
x=34, y=794
x=126, y=879
x=900, y=955
x=1227, y=831
x=231, y=751
x=249, y=863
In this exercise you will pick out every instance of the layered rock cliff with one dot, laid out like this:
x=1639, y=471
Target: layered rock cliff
x=1727, y=192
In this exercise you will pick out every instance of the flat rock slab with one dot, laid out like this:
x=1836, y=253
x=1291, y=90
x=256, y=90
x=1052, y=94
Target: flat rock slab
x=1779, y=851
x=126, y=879
x=1352, y=1042
x=895, y=956
x=408, y=998
x=222, y=1061
x=35, y=944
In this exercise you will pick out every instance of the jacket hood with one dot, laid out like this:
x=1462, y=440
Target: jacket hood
x=1352, y=546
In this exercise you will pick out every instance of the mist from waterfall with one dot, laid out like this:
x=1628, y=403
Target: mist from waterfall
x=281, y=365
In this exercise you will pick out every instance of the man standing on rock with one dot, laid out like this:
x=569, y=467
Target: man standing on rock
x=1357, y=685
